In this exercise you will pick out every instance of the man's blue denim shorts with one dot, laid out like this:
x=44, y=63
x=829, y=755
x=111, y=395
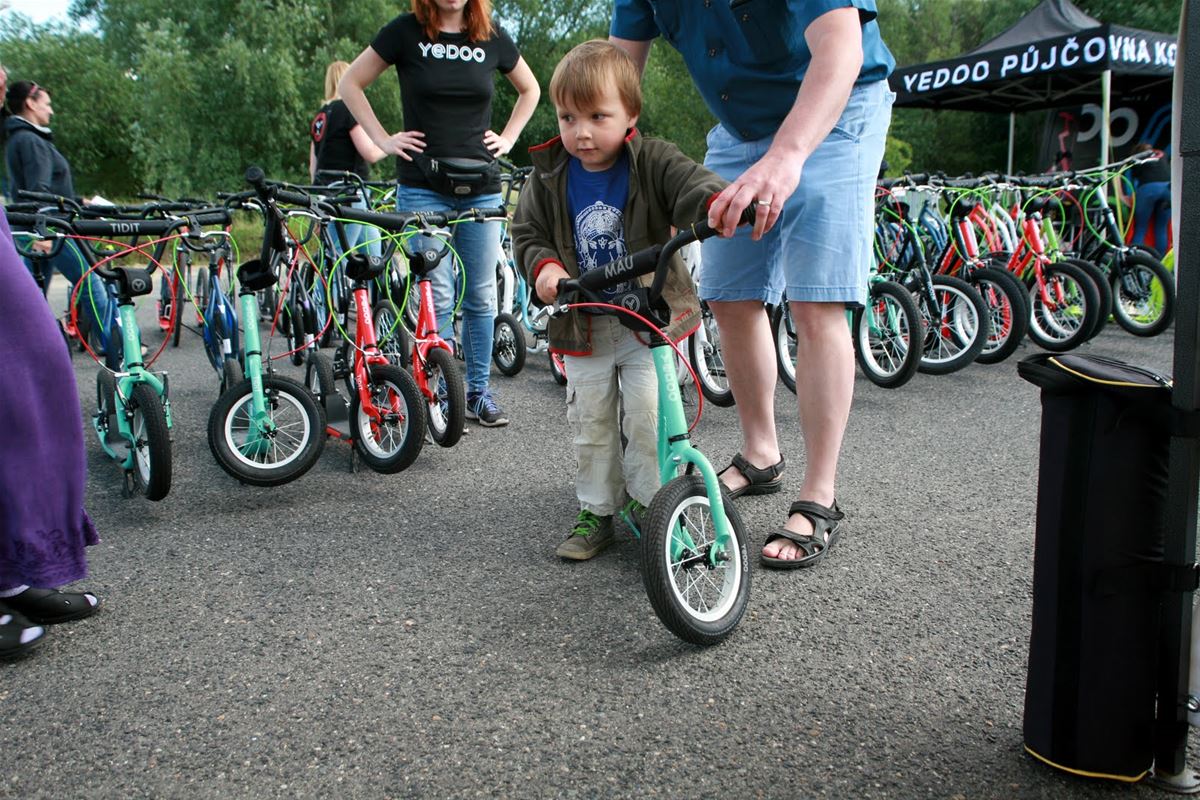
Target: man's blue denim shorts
x=820, y=249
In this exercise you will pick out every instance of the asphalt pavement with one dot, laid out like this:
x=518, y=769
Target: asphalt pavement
x=413, y=635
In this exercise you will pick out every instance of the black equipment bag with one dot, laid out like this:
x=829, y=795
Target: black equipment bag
x=1098, y=572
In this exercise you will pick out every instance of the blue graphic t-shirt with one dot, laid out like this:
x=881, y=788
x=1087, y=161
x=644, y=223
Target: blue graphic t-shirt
x=596, y=203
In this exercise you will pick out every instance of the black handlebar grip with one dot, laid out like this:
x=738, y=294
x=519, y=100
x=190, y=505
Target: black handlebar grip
x=622, y=269
x=255, y=176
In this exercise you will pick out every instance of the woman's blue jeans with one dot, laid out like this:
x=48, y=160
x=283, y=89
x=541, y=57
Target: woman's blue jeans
x=355, y=235
x=71, y=264
x=1152, y=200
x=478, y=247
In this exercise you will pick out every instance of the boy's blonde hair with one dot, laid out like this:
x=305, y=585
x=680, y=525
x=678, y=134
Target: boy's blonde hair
x=584, y=73
x=333, y=74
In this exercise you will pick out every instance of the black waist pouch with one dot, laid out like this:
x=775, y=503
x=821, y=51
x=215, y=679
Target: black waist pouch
x=459, y=177
x=1098, y=572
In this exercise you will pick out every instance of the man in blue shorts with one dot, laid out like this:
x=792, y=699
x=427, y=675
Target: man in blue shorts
x=799, y=88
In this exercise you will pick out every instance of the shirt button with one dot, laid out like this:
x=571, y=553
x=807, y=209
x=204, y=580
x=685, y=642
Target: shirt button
x=745, y=17
x=725, y=96
x=707, y=3
x=712, y=52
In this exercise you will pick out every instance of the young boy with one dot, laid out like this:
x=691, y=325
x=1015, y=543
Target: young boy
x=598, y=192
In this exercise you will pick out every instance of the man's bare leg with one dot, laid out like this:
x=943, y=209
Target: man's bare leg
x=824, y=391
x=749, y=351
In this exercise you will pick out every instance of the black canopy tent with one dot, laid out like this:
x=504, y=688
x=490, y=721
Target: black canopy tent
x=1053, y=56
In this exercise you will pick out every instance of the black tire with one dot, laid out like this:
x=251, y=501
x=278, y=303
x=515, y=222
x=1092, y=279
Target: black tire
x=783, y=332
x=215, y=353
x=114, y=352
x=393, y=445
x=267, y=301
x=446, y=412
x=201, y=294
x=1062, y=317
x=1144, y=294
x=296, y=336
x=287, y=452
x=704, y=353
x=177, y=323
x=106, y=389
x=1008, y=312
x=393, y=338
x=508, y=347
x=84, y=330
x=887, y=335
x=956, y=332
x=152, y=442
x=558, y=368
x=231, y=373
x=318, y=377
x=683, y=503
x=412, y=304
x=1104, y=292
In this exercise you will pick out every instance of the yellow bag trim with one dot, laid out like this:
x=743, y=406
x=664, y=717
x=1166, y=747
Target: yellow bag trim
x=1091, y=379
x=1085, y=773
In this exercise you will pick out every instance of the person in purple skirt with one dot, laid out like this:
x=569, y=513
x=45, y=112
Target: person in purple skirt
x=43, y=527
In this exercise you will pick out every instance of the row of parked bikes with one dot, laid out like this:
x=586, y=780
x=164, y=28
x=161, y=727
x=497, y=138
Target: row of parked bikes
x=377, y=371
x=341, y=287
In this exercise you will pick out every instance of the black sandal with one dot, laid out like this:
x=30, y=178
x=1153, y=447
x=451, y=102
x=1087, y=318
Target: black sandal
x=50, y=606
x=767, y=480
x=17, y=634
x=825, y=522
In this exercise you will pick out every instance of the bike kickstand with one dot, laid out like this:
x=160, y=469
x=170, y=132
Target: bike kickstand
x=128, y=489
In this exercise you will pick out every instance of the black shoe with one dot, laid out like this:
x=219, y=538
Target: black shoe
x=50, y=606
x=17, y=634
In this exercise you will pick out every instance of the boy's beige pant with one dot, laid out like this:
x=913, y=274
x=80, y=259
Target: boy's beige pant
x=618, y=377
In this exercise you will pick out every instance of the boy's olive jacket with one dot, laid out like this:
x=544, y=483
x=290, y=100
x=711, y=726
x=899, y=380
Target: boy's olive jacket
x=666, y=188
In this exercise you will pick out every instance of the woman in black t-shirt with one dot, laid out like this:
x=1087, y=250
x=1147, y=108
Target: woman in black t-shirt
x=339, y=144
x=446, y=54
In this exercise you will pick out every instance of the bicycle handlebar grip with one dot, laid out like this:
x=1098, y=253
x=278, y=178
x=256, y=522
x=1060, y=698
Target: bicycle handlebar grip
x=256, y=177
x=620, y=270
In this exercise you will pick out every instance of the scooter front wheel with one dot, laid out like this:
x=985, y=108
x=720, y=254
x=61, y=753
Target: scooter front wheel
x=699, y=602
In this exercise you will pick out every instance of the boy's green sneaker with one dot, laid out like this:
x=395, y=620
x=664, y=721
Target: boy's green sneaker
x=633, y=515
x=590, y=535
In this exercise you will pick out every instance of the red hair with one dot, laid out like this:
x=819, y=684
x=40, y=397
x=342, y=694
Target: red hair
x=476, y=13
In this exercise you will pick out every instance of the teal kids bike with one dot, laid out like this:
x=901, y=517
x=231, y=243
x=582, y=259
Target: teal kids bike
x=693, y=541
x=265, y=429
x=133, y=414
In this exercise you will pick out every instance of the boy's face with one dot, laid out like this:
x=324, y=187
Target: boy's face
x=596, y=135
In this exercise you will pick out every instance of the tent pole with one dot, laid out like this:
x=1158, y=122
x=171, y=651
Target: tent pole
x=1012, y=129
x=1171, y=724
x=1105, y=114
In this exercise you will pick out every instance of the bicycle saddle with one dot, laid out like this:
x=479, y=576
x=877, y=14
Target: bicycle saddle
x=364, y=267
x=256, y=275
x=423, y=261
x=963, y=207
x=134, y=281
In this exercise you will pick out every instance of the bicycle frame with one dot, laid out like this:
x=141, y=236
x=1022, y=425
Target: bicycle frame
x=258, y=441
x=132, y=373
x=675, y=450
x=426, y=336
x=366, y=352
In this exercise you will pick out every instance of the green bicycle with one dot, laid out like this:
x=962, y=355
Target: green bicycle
x=694, y=544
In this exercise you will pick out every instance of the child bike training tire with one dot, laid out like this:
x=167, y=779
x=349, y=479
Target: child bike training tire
x=287, y=451
x=392, y=444
x=696, y=600
x=152, y=442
